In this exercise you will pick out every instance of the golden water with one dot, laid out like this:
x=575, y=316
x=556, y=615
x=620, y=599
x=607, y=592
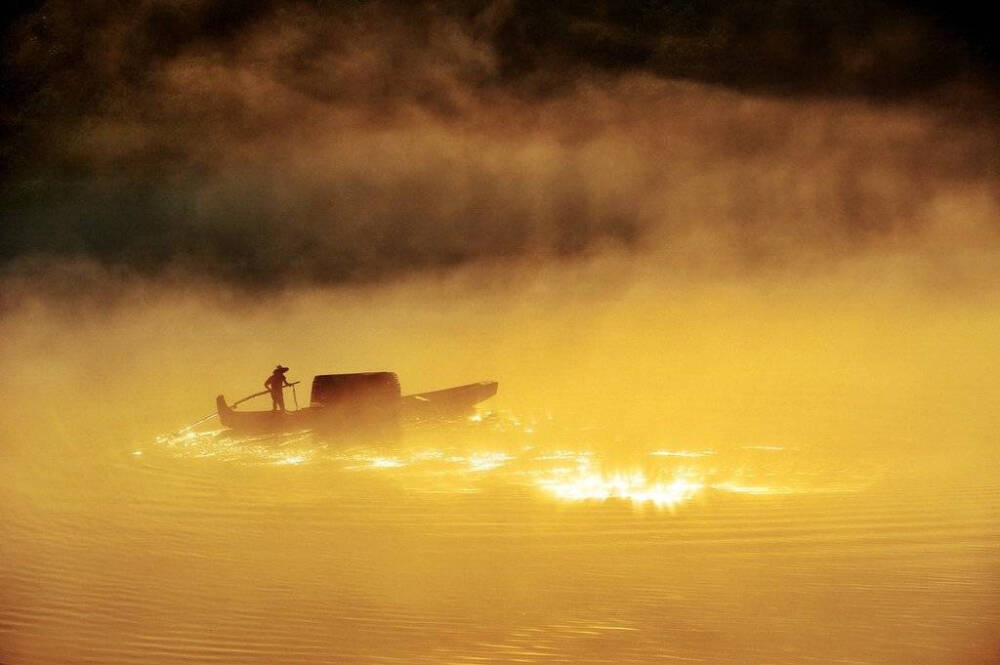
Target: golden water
x=509, y=538
x=773, y=472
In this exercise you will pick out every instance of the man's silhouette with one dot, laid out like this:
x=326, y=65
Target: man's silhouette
x=276, y=384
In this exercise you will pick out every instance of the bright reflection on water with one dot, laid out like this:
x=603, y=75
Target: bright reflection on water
x=505, y=539
x=634, y=487
x=661, y=479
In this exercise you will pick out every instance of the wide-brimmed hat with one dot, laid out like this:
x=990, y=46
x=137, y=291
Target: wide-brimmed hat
x=279, y=368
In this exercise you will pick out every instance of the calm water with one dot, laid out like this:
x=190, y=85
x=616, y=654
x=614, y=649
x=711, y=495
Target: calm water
x=500, y=541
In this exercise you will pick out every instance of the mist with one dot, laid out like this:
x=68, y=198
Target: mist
x=867, y=362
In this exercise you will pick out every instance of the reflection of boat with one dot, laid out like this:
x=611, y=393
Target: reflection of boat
x=353, y=402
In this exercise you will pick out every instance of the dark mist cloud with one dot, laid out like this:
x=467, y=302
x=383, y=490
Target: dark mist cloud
x=267, y=143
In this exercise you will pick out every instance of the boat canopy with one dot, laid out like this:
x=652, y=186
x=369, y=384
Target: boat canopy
x=330, y=390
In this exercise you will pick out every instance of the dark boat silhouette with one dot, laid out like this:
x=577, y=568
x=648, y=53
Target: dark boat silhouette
x=356, y=402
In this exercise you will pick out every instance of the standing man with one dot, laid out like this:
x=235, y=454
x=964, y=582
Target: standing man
x=276, y=384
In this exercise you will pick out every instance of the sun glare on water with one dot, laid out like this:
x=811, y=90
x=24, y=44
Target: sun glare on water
x=665, y=479
x=292, y=459
x=387, y=463
x=634, y=487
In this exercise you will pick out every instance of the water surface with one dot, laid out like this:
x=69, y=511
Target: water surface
x=507, y=539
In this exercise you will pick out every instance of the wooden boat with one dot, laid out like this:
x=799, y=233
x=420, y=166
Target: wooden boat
x=370, y=401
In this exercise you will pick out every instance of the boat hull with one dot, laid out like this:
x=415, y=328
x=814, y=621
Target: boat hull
x=447, y=403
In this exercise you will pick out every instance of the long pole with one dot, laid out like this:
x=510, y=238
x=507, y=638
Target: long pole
x=233, y=406
x=262, y=392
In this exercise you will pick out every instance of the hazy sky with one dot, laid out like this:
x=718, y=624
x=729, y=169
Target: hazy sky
x=270, y=143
